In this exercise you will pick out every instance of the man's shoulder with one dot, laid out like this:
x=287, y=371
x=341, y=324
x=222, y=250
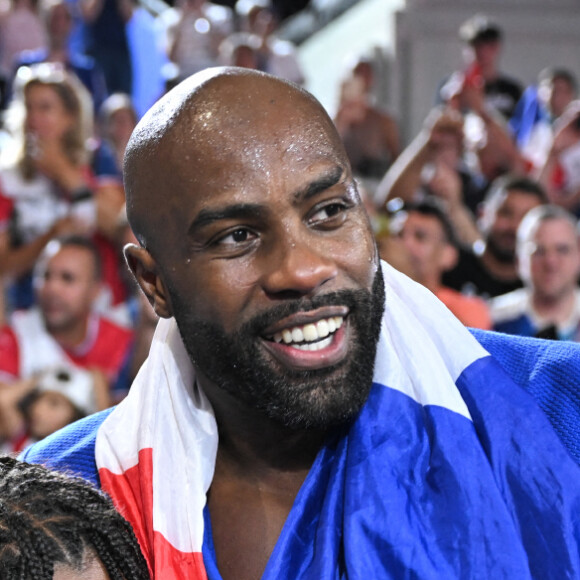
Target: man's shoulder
x=549, y=370
x=111, y=328
x=71, y=449
x=512, y=313
x=510, y=305
x=535, y=361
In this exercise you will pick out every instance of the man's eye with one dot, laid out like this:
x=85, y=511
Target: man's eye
x=327, y=212
x=239, y=236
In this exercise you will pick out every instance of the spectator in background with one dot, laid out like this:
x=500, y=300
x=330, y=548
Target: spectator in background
x=548, y=252
x=483, y=40
x=428, y=239
x=489, y=267
x=275, y=56
x=487, y=99
x=370, y=136
x=196, y=29
x=58, y=22
x=64, y=329
x=117, y=119
x=240, y=49
x=557, y=88
x=560, y=174
x=433, y=163
x=53, y=526
x=537, y=111
x=21, y=28
x=45, y=189
x=34, y=408
x=106, y=40
x=148, y=57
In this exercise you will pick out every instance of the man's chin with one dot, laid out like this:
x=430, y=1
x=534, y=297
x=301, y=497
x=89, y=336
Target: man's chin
x=310, y=400
x=319, y=407
x=55, y=325
x=502, y=252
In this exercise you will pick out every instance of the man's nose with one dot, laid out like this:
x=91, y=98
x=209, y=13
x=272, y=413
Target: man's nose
x=298, y=268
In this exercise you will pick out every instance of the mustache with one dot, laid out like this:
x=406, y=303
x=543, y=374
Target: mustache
x=352, y=299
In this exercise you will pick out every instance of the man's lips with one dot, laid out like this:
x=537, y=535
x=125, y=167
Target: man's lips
x=50, y=307
x=317, y=342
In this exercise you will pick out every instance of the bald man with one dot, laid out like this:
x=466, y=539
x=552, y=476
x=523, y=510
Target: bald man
x=290, y=421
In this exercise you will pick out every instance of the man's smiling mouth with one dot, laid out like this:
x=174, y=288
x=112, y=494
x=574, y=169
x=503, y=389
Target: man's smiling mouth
x=312, y=336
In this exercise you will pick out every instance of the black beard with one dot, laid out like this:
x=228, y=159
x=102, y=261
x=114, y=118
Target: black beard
x=316, y=399
x=501, y=255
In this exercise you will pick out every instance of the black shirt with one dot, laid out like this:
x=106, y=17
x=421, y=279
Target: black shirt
x=471, y=277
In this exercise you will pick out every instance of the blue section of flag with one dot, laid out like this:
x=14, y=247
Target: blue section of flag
x=527, y=113
x=423, y=492
x=412, y=491
x=549, y=370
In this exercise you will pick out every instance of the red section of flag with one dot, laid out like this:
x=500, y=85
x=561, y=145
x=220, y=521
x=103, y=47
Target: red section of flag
x=132, y=493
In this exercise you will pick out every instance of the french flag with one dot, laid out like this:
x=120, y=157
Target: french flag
x=451, y=470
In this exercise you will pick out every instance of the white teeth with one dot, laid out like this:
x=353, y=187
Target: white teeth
x=297, y=335
x=313, y=345
x=322, y=328
x=310, y=333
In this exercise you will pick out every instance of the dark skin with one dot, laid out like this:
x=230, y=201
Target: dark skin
x=263, y=210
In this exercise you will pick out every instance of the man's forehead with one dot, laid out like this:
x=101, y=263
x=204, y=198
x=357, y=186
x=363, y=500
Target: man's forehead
x=556, y=227
x=72, y=258
x=516, y=195
x=208, y=133
x=426, y=223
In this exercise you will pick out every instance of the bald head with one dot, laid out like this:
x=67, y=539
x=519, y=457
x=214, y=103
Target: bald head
x=215, y=127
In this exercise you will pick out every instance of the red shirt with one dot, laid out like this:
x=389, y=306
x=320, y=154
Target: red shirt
x=107, y=352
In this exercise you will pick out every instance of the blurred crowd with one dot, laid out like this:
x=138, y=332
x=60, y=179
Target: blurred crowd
x=481, y=206
x=75, y=77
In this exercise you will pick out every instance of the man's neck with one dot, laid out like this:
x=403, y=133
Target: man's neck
x=252, y=442
x=71, y=337
x=432, y=283
x=260, y=467
x=555, y=309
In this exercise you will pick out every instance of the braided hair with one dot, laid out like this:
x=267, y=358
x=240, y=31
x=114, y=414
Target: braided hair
x=48, y=518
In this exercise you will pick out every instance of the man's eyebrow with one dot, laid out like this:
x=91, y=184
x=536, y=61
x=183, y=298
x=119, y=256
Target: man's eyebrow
x=235, y=211
x=319, y=184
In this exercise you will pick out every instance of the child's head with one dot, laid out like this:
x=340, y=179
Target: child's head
x=56, y=527
x=62, y=395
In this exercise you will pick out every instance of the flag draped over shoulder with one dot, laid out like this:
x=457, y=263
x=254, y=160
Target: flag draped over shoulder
x=449, y=471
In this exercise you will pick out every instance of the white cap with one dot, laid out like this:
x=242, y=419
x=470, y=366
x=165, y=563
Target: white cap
x=74, y=383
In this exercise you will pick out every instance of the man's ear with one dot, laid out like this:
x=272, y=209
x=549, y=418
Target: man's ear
x=144, y=268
